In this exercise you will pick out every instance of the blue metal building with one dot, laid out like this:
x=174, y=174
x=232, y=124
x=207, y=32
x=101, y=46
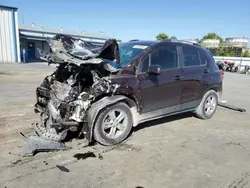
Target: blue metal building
x=33, y=38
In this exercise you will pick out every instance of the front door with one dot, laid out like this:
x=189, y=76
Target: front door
x=161, y=92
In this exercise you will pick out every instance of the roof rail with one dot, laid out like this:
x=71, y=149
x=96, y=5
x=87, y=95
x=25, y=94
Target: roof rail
x=169, y=40
x=196, y=44
x=180, y=41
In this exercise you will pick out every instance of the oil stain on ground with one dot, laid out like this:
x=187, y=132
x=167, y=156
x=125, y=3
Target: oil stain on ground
x=5, y=73
x=79, y=156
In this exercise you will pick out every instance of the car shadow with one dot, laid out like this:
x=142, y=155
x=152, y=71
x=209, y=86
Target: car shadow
x=162, y=120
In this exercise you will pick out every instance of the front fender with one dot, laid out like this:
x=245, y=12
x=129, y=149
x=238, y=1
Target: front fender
x=95, y=110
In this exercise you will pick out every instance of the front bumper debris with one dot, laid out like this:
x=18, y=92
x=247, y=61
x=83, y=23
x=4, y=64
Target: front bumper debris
x=37, y=144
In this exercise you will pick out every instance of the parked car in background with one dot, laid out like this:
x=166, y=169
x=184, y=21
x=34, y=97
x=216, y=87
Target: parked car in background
x=221, y=67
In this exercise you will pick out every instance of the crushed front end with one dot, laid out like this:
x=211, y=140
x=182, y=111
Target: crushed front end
x=82, y=77
x=64, y=97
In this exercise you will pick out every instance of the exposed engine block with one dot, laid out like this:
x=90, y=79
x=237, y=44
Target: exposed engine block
x=63, y=99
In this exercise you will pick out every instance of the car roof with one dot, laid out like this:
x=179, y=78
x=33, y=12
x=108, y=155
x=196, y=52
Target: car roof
x=150, y=43
x=141, y=42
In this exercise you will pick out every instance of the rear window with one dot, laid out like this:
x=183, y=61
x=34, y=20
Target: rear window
x=191, y=56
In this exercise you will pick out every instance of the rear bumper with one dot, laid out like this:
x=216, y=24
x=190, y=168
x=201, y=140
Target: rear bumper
x=220, y=92
x=219, y=95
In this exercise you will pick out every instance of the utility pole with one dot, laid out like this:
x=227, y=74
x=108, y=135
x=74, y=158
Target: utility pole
x=41, y=24
x=101, y=31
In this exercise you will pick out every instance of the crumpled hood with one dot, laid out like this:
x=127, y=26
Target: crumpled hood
x=68, y=49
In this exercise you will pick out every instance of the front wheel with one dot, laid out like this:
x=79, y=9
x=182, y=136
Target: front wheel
x=113, y=124
x=208, y=105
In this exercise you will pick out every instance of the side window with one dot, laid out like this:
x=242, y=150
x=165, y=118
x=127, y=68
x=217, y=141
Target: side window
x=165, y=56
x=203, y=59
x=211, y=63
x=145, y=64
x=191, y=56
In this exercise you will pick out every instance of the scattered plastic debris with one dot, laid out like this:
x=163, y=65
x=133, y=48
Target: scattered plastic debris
x=62, y=168
x=16, y=161
x=100, y=156
x=23, y=135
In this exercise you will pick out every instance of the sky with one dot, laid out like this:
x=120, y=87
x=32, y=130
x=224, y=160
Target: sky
x=139, y=19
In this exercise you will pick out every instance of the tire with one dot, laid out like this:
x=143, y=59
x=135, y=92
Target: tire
x=106, y=120
x=203, y=111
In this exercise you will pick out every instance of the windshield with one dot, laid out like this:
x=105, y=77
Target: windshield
x=129, y=51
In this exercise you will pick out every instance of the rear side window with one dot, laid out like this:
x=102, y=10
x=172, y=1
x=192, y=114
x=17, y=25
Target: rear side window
x=165, y=56
x=203, y=59
x=191, y=56
x=211, y=63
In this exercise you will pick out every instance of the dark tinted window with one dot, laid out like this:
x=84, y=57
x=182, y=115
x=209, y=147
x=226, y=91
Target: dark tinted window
x=191, y=56
x=145, y=64
x=164, y=56
x=203, y=59
x=211, y=62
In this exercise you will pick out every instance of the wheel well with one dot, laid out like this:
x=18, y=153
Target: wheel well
x=216, y=88
x=127, y=101
x=130, y=102
x=217, y=91
x=111, y=100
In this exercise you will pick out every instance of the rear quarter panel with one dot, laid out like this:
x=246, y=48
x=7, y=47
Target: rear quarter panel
x=214, y=77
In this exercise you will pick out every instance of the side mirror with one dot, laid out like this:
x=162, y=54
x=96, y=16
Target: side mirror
x=154, y=69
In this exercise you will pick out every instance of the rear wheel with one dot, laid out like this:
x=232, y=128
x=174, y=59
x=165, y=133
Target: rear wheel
x=113, y=124
x=208, y=105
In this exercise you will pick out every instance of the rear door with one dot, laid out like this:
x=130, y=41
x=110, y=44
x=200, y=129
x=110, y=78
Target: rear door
x=194, y=68
x=161, y=91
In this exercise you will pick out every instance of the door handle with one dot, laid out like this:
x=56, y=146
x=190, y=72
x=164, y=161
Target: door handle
x=206, y=71
x=178, y=77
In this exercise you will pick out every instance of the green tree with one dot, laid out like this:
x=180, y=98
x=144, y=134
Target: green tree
x=161, y=36
x=245, y=53
x=222, y=51
x=173, y=37
x=212, y=36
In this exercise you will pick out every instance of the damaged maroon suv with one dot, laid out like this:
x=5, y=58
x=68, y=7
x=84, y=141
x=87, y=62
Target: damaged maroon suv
x=103, y=92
